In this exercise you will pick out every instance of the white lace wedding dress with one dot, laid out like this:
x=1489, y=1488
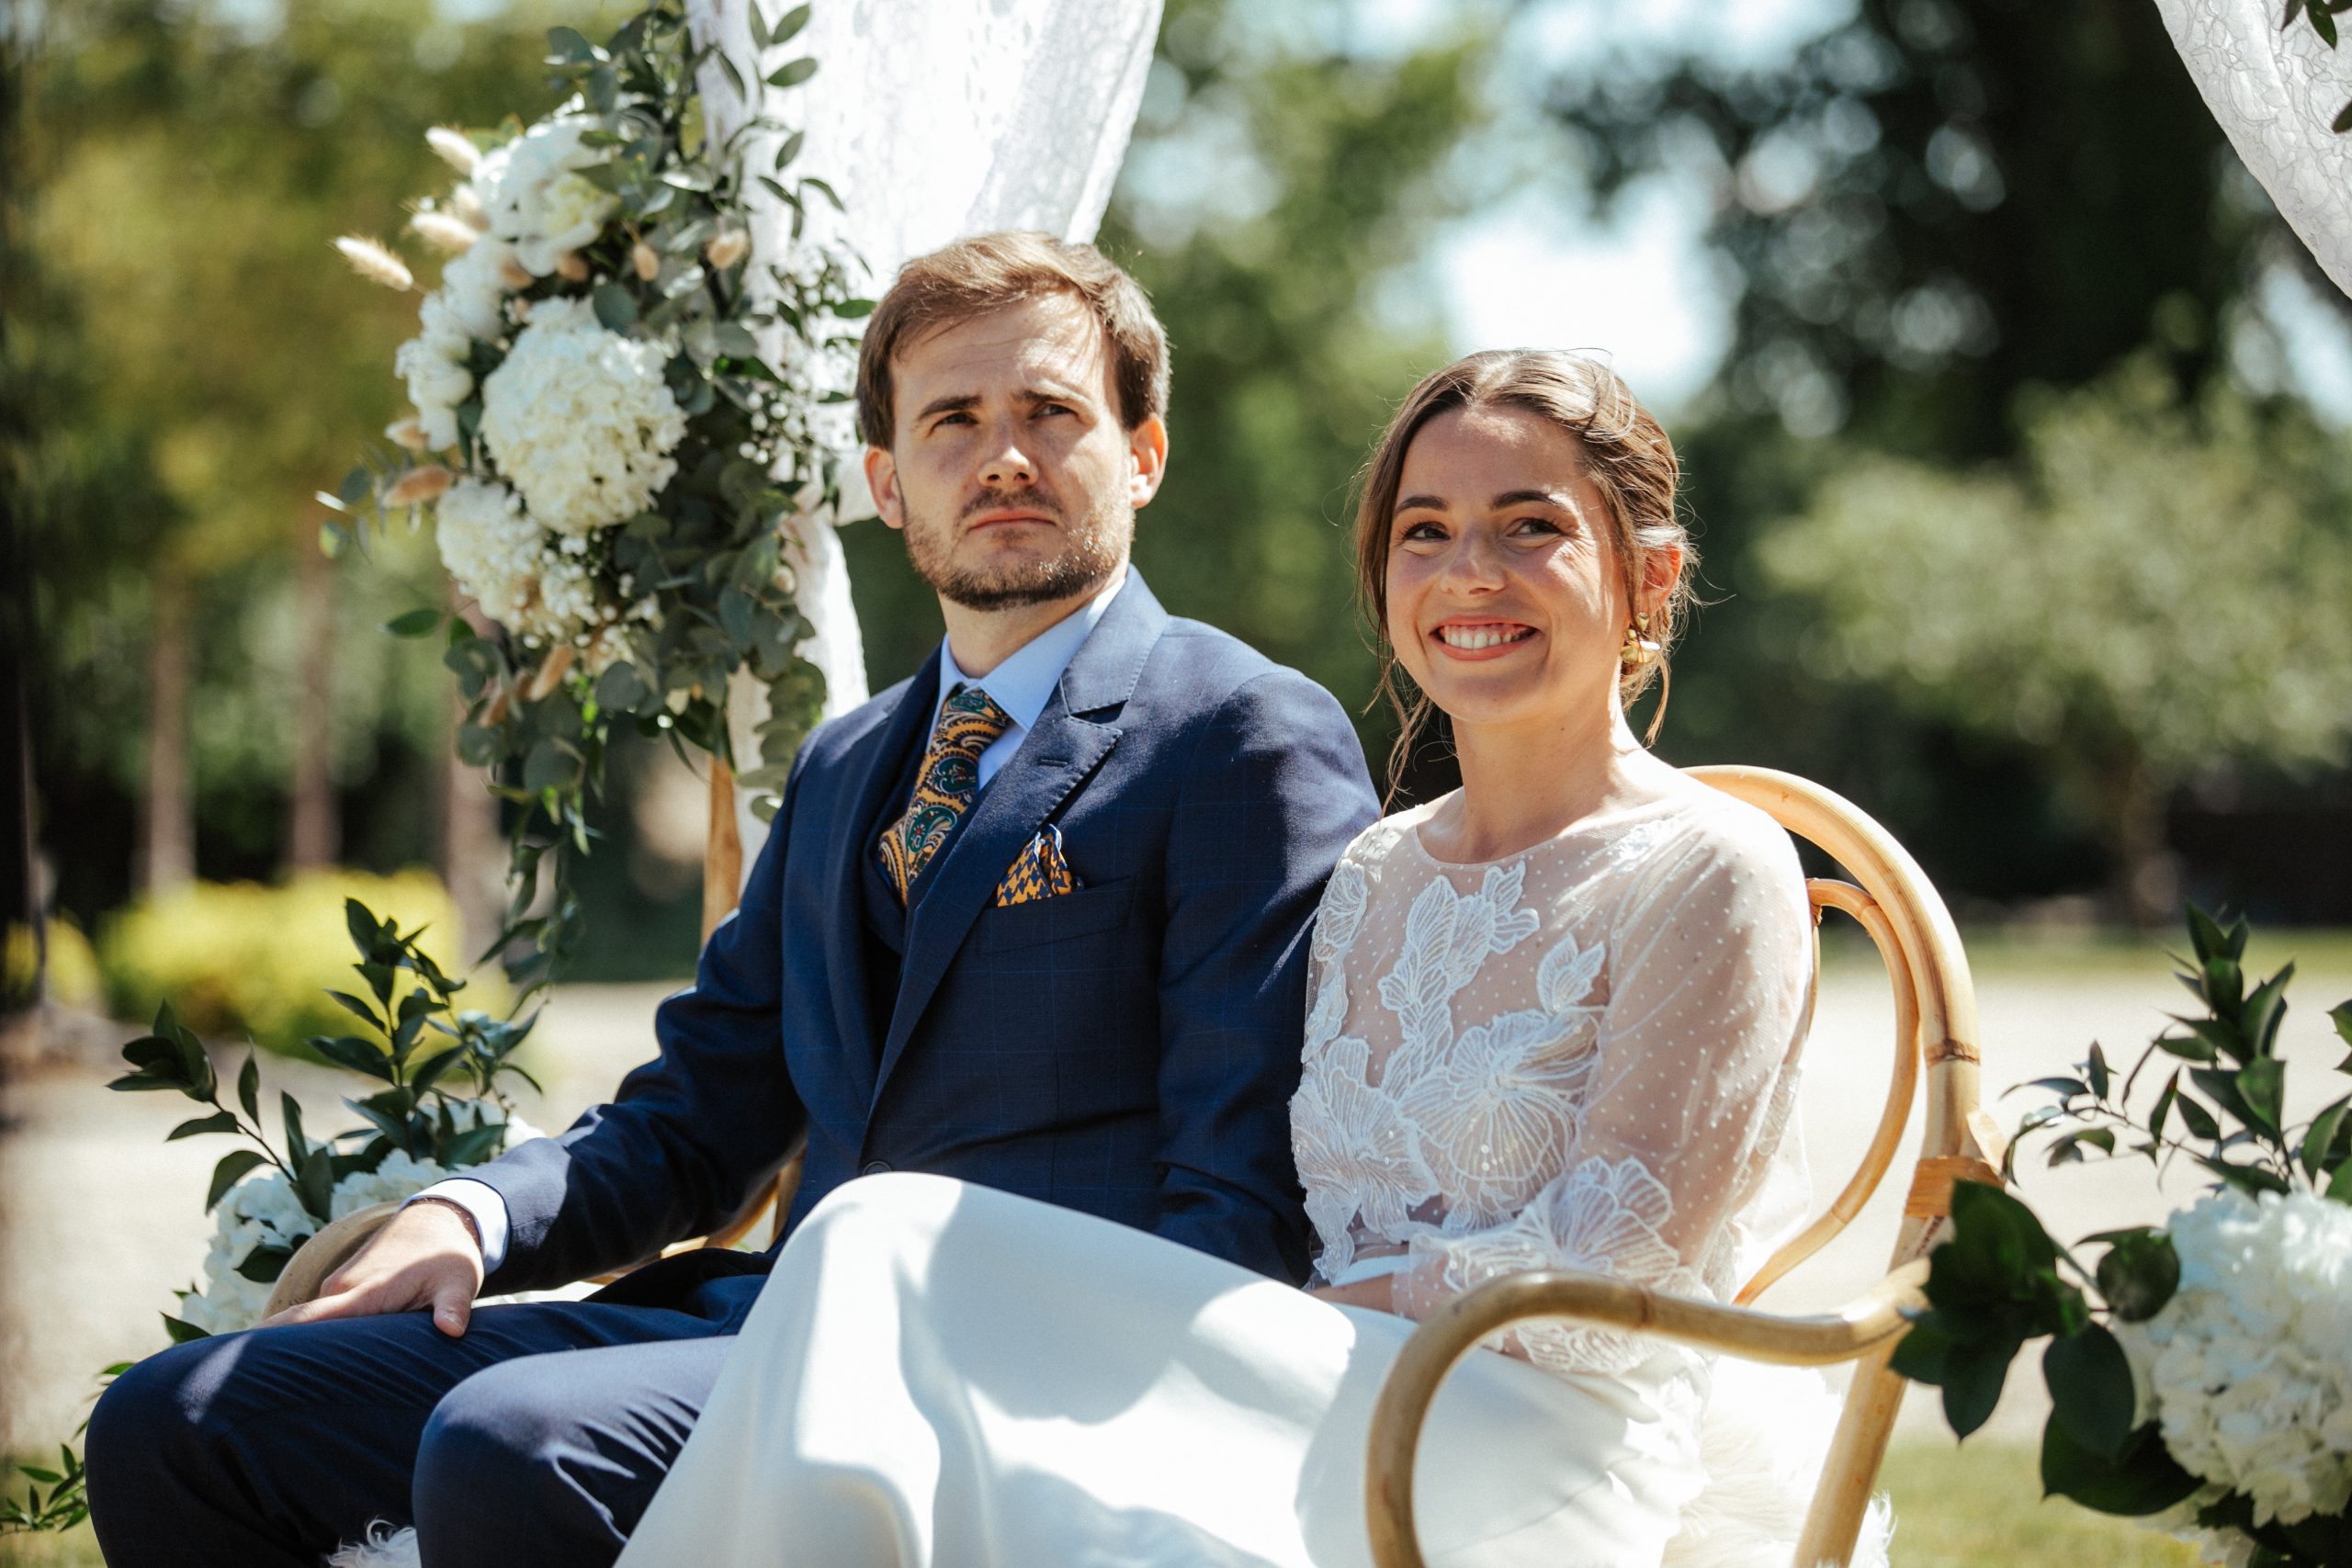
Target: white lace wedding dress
x=1582, y=1056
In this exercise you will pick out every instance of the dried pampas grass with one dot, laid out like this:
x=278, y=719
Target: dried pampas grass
x=373, y=261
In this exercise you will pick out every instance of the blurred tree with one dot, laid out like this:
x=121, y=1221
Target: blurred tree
x=2151, y=590
x=1932, y=209
x=1281, y=173
x=192, y=163
x=1938, y=202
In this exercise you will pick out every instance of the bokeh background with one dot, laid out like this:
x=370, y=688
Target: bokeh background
x=2015, y=424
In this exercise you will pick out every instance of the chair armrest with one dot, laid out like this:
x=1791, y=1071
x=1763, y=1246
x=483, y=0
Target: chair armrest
x=1448, y=1334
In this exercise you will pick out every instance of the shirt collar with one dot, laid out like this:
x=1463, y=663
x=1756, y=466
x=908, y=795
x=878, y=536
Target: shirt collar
x=1025, y=683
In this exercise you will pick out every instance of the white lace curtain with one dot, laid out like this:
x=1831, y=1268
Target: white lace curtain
x=933, y=119
x=2276, y=93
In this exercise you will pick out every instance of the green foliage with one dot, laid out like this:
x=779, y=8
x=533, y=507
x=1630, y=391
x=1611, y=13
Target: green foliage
x=241, y=958
x=2151, y=588
x=706, y=555
x=1996, y=1284
x=69, y=976
x=408, y=992
x=65, y=1504
x=205, y=358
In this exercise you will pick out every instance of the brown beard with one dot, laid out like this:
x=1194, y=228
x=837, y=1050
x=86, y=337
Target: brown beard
x=1091, y=549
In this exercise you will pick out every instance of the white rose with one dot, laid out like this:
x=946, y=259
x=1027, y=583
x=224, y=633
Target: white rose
x=536, y=201
x=579, y=420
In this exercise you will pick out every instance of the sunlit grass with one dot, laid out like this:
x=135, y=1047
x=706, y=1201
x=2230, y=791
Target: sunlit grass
x=1981, y=1506
x=1978, y=1507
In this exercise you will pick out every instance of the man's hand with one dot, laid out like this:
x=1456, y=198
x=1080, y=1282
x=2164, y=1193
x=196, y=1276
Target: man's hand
x=425, y=1256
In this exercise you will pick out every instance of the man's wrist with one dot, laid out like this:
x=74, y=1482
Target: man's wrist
x=464, y=1214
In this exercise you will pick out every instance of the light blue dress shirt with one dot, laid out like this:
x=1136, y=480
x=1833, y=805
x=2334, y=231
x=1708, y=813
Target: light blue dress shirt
x=1022, y=687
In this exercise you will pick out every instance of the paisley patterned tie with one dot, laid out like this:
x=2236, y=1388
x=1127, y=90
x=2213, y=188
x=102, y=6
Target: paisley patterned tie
x=968, y=721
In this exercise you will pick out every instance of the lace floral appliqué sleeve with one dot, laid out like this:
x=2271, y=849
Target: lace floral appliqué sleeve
x=1691, y=1076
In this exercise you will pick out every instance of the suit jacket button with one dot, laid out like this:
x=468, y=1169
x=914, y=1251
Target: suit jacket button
x=876, y=1167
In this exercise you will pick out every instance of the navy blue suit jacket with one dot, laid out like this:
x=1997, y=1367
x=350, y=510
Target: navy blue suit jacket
x=1128, y=1049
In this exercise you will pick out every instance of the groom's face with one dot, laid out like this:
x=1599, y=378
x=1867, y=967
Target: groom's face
x=1009, y=470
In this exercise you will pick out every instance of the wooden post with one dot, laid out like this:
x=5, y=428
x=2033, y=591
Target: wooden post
x=722, y=852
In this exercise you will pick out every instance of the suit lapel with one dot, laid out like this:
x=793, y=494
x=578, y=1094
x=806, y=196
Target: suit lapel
x=875, y=764
x=1058, y=753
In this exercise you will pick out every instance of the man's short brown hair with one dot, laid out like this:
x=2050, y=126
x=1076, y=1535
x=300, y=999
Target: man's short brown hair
x=989, y=272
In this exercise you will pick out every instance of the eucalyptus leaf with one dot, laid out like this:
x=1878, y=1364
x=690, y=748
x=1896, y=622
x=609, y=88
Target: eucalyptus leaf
x=233, y=1167
x=2200, y=1121
x=350, y=1051
x=181, y=1331
x=2140, y=1273
x=2091, y=1392
x=298, y=1148
x=2142, y=1479
x=792, y=73
x=218, y=1121
x=2262, y=1086
x=264, y=1263
x=616, y=307
x=416, y=622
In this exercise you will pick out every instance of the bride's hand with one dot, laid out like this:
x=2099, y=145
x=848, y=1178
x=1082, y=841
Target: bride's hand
x=1374, y=1293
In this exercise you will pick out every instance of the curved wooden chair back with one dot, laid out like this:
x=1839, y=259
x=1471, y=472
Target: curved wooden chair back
x=1934, y=1038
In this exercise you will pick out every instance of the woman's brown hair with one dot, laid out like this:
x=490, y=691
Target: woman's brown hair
x=1626, y=455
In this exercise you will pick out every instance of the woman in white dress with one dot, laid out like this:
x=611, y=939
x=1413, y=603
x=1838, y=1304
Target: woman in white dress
x=1553, y=1022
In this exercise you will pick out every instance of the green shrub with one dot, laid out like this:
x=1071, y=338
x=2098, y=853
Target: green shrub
x=238, y=958
x=73, y=978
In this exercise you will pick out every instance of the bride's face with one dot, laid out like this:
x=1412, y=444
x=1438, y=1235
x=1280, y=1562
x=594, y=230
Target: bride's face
x=1506, y=597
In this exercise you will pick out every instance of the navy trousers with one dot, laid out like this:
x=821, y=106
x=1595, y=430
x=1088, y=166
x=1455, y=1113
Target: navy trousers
x=537, y=1439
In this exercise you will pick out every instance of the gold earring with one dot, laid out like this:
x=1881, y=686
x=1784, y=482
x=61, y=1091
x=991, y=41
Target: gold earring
x=1638, y=647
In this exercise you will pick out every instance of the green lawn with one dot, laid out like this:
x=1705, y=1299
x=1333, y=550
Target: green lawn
x=1981, y=1506
x=1972, y=1508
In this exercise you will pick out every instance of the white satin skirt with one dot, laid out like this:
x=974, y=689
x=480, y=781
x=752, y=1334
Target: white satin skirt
x=939, y=1375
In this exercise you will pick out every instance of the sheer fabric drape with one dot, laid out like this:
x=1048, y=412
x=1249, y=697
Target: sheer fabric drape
x=2276, y=93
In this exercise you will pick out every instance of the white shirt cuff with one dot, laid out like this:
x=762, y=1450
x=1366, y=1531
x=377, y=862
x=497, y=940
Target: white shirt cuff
x=481, y=1201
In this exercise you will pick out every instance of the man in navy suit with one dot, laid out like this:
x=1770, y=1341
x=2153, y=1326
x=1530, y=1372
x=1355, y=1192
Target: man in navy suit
x=1036, y=918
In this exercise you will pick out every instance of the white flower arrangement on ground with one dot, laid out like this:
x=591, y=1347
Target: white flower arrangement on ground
x=2248, y=1367
x=264, y=1215
x=2203, y=1383
x=619, y=404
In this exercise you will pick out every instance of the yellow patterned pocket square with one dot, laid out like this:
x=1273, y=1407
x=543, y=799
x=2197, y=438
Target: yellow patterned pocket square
x=1040, y=872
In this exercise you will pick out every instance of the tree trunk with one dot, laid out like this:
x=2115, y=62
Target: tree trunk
x=167, y=824
x=2147, y=873
x=21, y=889
x=311, y=825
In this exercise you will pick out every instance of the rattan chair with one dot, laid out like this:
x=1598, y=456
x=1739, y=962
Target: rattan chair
x=1935, y=1023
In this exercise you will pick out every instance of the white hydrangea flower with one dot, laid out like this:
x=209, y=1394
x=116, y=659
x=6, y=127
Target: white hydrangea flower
x=2250, y=1363
x=536, y=201
x=432, y=362
x=399, y=1174
x=261, y=1211
x=474, y=291
x=579, y=420
x=490, y=546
